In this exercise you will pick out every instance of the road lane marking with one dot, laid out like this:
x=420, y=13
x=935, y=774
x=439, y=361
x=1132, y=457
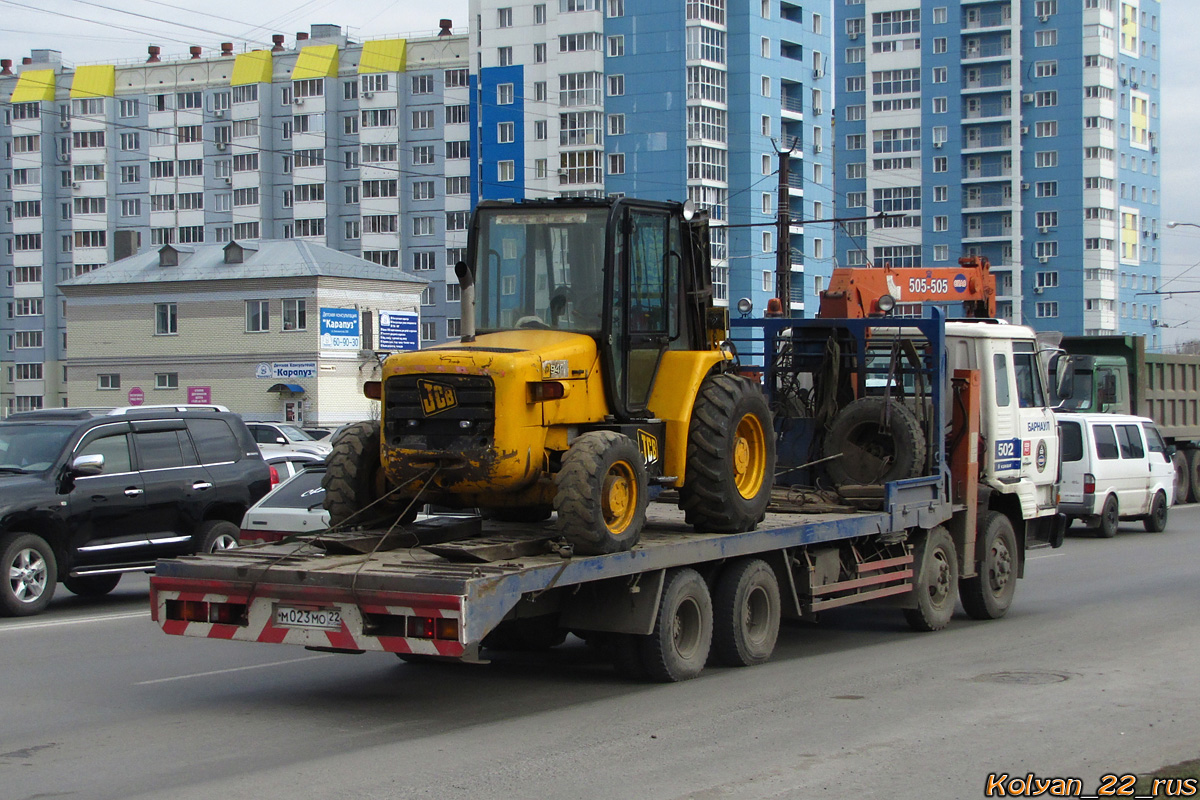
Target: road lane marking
x=29, y=626
x=231, y=669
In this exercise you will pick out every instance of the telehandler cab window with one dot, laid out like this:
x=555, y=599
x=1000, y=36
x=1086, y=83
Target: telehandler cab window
x=541, y=269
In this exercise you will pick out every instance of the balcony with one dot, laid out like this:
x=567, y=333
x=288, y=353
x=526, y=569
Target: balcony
x=989, y=171
x=989, y=230
x=792, y=104
x=985, y=140
x=986, y=110
x=988, y=82
x=984, y=20
x=986, y=50
x=987, y=200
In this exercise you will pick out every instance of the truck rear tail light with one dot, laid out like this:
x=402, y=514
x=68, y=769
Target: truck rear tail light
x=433, y=628
x=447, y=629
x=1089, y=483
x=274, y=477
x=199, y=611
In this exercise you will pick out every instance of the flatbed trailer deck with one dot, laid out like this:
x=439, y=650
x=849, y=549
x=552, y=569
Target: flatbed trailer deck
x=410, y=600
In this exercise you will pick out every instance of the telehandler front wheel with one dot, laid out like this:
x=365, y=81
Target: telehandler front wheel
x=730, y=457
x=601, y=493
x=354, y=481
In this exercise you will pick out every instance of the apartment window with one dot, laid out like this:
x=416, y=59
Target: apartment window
x=422, y=154
x=422, y=190
x=505, y=171
x=166, y=380
x=616, y=124
x=504, y=94
x=1046, y=128
x=539, y=130
x=258, y=316
x=107, y=381
x=295, y=315
x=421, y=120
x=428, y=331
x=351, y=194
x=940, y=105
x=941, y=194
x=539, y=14
x=504, y=17
x=616, y=164
x=457, y=220
x=458, y=185
x=384, y=258
x=941, y=223
x=1047, y=280
x=1046, y=38
x=505, y=132
x=422, y=84
x=456, y=78
x=539, y=53
x=457, y=115
x=422, y=226
x=505, y=56
x=1045, y=69
x=130, y=141
x=539, y=91
x=424, y=260
x=765, y=88
x=1045, y=99
x=380, y=188
x=616, y=85
x=941, y=164
x=353, y=229
x=458, y=150
x=1047, y=189
x=616, y=46
x=1047, y=309
x=1046, y=158
x=127, y=109
x=246, y=230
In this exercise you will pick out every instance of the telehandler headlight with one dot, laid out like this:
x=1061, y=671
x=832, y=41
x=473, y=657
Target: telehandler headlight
x=886, y=303
x=745, y=306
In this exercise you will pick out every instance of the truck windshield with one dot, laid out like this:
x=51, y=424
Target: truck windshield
x=31, y=448
x=540, y=268
x=1080, y=398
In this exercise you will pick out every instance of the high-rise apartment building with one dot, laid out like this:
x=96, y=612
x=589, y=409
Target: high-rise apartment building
x=1022, y=130
x=667, y=100
x=357, y=146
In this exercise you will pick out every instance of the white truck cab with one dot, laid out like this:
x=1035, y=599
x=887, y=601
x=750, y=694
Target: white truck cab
x=1019, y=451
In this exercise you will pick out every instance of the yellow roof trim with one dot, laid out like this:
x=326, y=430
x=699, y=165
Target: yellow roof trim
x=383, y=55
x=252, y=67
x=34, y=85
x=316, y=61
x=95, y=81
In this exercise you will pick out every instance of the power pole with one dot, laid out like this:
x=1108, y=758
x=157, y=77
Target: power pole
x=783, y=248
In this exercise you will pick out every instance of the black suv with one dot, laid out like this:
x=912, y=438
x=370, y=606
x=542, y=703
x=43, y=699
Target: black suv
x=89, y=494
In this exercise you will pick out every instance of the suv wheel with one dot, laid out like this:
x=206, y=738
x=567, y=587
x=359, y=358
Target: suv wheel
x=31, y=574
x=217, y=534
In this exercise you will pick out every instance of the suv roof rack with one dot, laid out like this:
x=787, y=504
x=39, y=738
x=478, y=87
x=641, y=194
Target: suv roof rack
x=168, y=407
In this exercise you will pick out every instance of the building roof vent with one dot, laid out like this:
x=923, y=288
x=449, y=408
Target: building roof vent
x=6, y=66
x=194, y=50
x=235, y=253
x=446, y=25
x=153, y=50
x=226, y=48
x=277, y=38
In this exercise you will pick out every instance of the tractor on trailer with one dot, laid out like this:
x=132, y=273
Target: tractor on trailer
x=917, y=462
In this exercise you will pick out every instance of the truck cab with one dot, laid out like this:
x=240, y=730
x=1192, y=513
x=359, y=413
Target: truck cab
x=1019, y=451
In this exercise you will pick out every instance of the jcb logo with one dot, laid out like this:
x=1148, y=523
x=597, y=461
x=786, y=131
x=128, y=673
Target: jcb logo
x=435, y=397
x=648, y=444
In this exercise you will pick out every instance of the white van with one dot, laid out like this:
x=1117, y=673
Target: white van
x=1114, y=466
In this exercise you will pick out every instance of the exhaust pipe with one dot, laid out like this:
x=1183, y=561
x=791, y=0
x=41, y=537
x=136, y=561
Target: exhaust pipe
x=466, y=282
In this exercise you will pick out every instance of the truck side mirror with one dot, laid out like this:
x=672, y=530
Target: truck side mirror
x=1062, y=374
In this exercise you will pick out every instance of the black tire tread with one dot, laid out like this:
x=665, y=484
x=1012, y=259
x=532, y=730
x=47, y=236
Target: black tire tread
x=1103, y=530
x=728, y=646
x=9, y=605
x=91, y=585
x=208, y=532
x=657, y=651
x=975, y=593
x=349, y=481
x=925, y=617
x=907, y=437
x=708, y=497
x=578, y=486
x=1151, y=522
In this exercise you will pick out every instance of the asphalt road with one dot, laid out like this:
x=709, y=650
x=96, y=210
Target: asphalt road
x=1094, y=671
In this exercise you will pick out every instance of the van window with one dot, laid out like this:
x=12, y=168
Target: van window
x=1106, y=442
x=1071, y=436
x=1154, y=440
x=1000, y=367
x=1131, y=441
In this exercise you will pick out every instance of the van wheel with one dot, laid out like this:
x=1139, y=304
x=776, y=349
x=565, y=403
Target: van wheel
x=31, y=574
x=1109, y=517
x=989, y=594
x=936, y=581
x=1156, y=520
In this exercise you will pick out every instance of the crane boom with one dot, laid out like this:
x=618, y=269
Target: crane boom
x=857, y=292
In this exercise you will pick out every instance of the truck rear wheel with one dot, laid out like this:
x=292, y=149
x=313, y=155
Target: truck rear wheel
x=989, y=594
x=746, y=612
x=730, y=457
x=678, y=647
x=601, y=493
x=1183, y=486
x=1193, y=462
x=936, y=580
x=874, y=451
x=354, y=481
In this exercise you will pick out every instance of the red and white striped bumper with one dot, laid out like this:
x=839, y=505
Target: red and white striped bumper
x=380, y=621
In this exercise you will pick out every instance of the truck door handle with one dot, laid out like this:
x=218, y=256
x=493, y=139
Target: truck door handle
x=201, y=485
x=132, y=492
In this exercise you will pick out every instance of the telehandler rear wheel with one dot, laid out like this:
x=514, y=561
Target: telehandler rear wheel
x=600, y=493
x=730, y=457
x=354, y=480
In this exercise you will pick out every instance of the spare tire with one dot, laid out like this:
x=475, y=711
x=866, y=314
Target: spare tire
x=876, y=441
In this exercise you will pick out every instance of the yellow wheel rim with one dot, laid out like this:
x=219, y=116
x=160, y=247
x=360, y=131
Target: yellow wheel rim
x=619, y=497
x=749, y=456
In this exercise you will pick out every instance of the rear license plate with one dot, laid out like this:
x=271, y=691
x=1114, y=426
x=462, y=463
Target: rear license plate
x=325, y=619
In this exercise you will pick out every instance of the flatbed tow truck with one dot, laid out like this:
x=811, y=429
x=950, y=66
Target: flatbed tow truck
x=916, y=524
